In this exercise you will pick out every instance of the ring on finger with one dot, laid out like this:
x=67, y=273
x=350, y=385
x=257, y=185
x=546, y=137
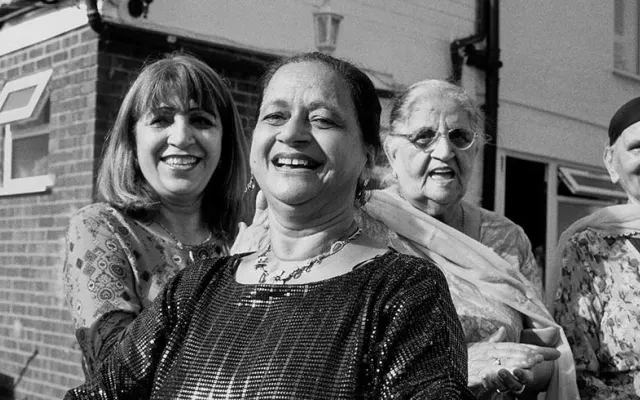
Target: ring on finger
x=520, y=390
x=497, y=361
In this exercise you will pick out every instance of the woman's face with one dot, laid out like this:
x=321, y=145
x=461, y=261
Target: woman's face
x=622, y=160
x=178, y=150
x=436, y=179
x=307, y=146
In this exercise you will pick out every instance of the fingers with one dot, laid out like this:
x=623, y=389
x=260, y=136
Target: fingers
x=511, y=382
x=545, y=337
x=520, y=350
x=523, y=375
x=498, y=336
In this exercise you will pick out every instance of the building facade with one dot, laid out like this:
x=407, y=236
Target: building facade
x=568, y=66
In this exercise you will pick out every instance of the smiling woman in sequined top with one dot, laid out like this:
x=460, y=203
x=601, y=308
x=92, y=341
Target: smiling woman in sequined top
x=323, y=311
x=171, y=184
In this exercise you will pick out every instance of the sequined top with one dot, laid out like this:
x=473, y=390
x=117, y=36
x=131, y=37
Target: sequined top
x=114, y=266
x=387, y=329
x=598, y=305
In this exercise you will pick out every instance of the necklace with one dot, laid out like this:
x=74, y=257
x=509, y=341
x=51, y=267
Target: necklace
x=181, y=245
x=263, y=261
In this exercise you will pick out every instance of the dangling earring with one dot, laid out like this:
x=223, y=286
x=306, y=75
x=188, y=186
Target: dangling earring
x=361, y=192
x=251, y=185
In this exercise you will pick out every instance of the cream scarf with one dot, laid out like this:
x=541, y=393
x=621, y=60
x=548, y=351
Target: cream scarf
x=474, y=262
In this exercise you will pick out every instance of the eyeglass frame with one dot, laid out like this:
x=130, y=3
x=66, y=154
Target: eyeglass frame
x=412, y=138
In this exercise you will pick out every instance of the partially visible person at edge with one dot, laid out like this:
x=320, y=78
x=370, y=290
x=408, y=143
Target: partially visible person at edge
x=171, y=184
x=597, y=264
x=323, y=311
x=432, y=150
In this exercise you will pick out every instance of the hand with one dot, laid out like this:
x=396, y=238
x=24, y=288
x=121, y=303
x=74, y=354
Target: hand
x=493, y=363
x=254, y=237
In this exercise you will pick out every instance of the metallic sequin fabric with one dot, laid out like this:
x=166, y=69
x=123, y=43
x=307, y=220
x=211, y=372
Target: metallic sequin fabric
x=386, y=330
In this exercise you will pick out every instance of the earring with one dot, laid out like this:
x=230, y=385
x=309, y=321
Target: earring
x=251, y=185
x=365, y=183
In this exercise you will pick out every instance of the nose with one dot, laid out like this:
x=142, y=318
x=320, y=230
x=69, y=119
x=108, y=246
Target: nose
x=442, y=149
x=181, y=133
x=294, y=132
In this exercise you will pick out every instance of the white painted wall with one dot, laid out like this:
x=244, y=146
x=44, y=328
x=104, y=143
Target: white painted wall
x=406, y=38
x=557, y=89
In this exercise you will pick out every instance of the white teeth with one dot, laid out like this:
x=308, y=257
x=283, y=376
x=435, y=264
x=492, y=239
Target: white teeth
x=292, y=161
x=180, y=160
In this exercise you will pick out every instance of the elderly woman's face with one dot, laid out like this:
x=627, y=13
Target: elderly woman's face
x=307, y=147
x=434, y=179
x=623, y=161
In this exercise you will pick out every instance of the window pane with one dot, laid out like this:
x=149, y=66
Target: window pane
x=30, y=156
x=18, y=99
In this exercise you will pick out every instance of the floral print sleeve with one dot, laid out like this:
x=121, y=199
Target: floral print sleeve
x=598, y=305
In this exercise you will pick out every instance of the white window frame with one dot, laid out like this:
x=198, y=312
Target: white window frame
x=568, y=174
x=32, y=184
x=553, y=198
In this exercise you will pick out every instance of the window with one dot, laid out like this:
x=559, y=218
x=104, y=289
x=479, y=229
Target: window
x=625, y=38
x=592, y=184
x=24, y=118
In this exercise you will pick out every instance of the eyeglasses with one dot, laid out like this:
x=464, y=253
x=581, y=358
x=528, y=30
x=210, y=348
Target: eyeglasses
x=424, y=139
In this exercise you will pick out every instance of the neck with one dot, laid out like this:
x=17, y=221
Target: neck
x=452, y=215
x=185, y=221
x=294, y=238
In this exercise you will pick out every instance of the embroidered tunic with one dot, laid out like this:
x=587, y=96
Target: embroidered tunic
x=114, y=267
x=384, y=330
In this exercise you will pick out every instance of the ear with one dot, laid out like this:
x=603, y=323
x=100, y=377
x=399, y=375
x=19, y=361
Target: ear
x=607, y=158
x=390, y=151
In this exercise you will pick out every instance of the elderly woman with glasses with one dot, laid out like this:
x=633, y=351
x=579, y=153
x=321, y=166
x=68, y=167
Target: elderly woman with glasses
x=487, y=259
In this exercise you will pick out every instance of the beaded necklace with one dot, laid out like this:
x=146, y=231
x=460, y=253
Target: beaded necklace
x=263, y=261
x=181, y=245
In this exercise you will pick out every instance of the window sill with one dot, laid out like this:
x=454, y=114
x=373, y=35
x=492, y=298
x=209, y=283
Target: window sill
x=34, y=184
x=625, y=74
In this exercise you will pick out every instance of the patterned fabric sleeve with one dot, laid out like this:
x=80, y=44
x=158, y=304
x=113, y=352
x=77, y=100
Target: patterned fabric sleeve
x=99, y=284
x=422, y=354
x=128, y=371
x=581, y=302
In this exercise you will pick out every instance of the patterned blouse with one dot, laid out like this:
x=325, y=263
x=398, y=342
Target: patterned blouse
x=385, y=330
x=598, y=305
x=114, y=268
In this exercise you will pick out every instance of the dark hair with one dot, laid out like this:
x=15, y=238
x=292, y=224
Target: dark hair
x=363, y=92
x=182, y=78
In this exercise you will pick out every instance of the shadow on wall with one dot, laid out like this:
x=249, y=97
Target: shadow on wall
x=6, y=387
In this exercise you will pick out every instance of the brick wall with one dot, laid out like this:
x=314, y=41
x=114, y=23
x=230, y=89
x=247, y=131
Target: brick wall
x=90, y=76
x=33, y=314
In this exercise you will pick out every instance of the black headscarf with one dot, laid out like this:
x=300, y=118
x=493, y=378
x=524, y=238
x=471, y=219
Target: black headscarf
x=626, y=116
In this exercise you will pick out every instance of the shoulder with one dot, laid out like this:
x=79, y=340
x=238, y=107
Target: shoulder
x=405, y=271
x=100, y=213
x=197, y=277
x=492, y=222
